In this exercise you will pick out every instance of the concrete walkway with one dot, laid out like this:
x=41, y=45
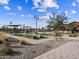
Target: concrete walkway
x=69, y=50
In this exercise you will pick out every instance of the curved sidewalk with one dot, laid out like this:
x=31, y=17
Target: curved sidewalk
x=67, y=51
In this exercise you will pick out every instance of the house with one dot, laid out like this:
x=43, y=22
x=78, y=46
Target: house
x=74, y=26
x=77, y=25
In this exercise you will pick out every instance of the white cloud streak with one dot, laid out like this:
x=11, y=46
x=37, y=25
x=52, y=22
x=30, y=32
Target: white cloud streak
x=66, y=12
x=19, y=8
x=41, y=10
x=22, y=15
x=50, y=3
x=29, y=15
x=4, y=2
x=7, y=7
x=73, y=11
x=44, y=17
x=74, y=4
x=44, y=4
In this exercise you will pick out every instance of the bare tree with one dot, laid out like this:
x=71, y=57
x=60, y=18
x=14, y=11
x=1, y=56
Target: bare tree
x=56, y=21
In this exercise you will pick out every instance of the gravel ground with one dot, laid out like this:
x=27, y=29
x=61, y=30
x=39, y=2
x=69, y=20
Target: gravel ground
x=32, y=51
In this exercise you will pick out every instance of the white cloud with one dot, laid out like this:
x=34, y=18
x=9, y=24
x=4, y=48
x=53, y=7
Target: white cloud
x=41, y=10
x=51, y=3
x=19, y=8
x=66, y=12
x=49, y=14
x=70, y=12
x=45, y=4
x=74, y=4
x=29, y=15
x=73, y=11
x=22, y=15
x=7, y=8
x=44, y=17
x=36, y=3
x=4, y=1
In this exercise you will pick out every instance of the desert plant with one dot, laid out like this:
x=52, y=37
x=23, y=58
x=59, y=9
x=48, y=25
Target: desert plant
x=4, y=39
x=73, y=35
x=42, y=36
x=22, y=42
x=6, y=51
x=6, y=42
x=36, y=37
x=2, y=36
x=1, y=42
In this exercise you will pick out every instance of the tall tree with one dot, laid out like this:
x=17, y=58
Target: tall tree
x=71, y=27
x=56, y=21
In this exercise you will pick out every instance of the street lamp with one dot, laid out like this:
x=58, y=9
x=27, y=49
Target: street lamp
x=36, y=19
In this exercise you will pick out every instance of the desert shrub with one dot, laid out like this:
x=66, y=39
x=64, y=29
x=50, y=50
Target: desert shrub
x=42, y=36
x=1, y=36
x=20, y=35
x=36, y=37
x=6, y=51
x=17, y=41
x=1, y=42
x=32, y=36
x=45, y=34
x=57, y=34
x=18, y=46
x=73, y=35
x=22, y=42
x=6, y=42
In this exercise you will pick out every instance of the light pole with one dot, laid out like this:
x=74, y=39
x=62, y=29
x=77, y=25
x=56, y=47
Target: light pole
x=36, y=19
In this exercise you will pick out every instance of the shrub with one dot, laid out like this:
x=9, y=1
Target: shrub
x=73, y=35
x=17, y=41
x=42, y=36
x=6, y=51
x=22, y=42
x=36, y=37
x=6, y=42
x=45, y=34
x=1, y=42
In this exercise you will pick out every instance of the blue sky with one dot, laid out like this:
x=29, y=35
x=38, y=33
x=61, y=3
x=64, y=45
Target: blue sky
x=22, y=11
